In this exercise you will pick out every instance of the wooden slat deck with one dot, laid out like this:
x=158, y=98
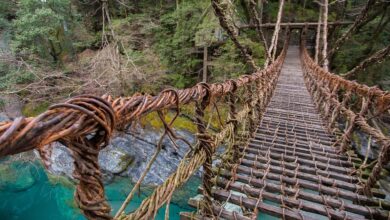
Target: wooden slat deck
x=290, y=169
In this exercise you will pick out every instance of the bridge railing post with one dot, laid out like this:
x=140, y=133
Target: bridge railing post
x=206, y=144
x=232, y=101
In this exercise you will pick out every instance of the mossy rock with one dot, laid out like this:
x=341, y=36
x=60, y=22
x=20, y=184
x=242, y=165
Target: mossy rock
x=31, y=110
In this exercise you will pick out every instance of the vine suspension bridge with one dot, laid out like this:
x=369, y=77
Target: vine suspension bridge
x=287, y=136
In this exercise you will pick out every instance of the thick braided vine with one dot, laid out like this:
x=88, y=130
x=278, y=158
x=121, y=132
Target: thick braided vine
x=344, y=101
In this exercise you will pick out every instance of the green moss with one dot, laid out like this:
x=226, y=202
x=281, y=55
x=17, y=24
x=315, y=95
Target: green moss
x=60, y=180
x=31, y=109
x=153, y=120
x=356, y=139
x=184, y=123
x=2, y=103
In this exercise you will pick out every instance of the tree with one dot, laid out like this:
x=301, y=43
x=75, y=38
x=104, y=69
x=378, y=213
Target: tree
x=377, y=57
x=360, y=20
x=7, y=12
x=325, y=35
x=274, y=42
x=318, y=36
x=39, y=27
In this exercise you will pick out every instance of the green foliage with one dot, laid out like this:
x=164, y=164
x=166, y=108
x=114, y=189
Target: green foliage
x=34, y=109
x=229, y=63
x=10, y=76
x=175, y=41
x=361, y=45
x=2, y=103
x=39, y=27
x=208, y=31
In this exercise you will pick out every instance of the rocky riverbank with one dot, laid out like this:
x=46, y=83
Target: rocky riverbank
x=127, y=155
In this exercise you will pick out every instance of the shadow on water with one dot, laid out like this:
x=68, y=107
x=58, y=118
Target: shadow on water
x=27, y=192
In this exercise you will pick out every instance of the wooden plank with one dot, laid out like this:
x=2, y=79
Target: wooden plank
x=304, y=176
x=315, y=199
x=290, y=151
x=284, y=213
x=299, y=136
x=305, y=169
x=295, y=25
x=301, y=161
x=218, y=211
x=279, y=174
x=307, y=150
x=292, y=126
x=329, y=191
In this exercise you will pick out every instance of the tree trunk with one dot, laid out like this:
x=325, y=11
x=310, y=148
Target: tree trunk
x=325, y=36
x=257, y=20
x=204, y=78
x=273, y=47
x=374, y=58
x=318, y=36
x=232, y=32
x=246, y=11
x=280, y=12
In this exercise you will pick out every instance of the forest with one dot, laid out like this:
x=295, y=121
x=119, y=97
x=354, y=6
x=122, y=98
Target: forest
x=53, y=49
x=194, y=109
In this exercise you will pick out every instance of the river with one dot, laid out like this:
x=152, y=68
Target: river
x=28, y=193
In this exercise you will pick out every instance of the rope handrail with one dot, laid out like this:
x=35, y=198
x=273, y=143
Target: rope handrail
x=343, y=101
x=86, y=123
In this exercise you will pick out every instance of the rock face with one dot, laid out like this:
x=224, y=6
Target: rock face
x=61, y=162
x=128, y=155
x=165, y=163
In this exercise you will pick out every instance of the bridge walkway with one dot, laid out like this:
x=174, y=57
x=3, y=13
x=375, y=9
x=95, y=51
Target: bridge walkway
x=290, y=169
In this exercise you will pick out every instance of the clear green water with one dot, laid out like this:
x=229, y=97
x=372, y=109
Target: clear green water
x=27, y=192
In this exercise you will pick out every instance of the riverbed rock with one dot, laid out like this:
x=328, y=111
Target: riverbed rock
x=167, y=160
x=61, y=161
x=113, y=159
x=128, y=155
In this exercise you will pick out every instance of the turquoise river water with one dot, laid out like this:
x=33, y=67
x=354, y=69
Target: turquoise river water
x=28, y=193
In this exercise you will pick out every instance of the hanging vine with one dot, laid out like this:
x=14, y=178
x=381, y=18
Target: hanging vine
x=220, y=11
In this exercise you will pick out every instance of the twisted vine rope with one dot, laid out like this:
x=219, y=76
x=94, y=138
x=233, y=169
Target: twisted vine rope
x=341, y=100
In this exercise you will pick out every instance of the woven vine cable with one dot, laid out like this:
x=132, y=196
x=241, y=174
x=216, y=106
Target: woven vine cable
x=372, y=98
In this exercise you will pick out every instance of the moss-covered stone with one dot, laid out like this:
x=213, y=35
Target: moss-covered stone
x=34, y=109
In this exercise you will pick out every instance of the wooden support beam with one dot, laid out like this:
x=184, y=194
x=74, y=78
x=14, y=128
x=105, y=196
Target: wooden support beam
x=297, y=25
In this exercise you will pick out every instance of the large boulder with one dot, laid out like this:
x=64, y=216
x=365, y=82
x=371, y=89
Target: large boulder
x=61, y=161
x=167, y=161
x=113, y=159
x=128, y=155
